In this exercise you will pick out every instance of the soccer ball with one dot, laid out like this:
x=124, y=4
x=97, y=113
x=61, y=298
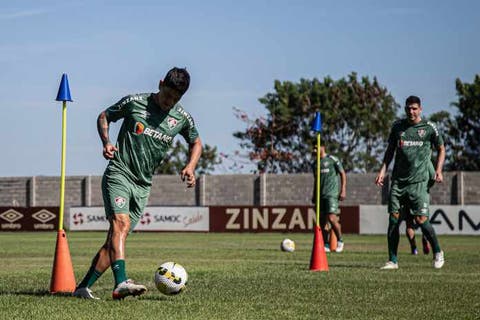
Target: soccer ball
x=288, y=245
x=170, y=278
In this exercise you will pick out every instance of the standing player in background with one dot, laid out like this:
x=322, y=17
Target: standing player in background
x=330, y=193
x=410, y=233
x=411, y=141
x=150, y=122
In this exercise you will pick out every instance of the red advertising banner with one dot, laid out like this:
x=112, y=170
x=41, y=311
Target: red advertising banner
x=275, y=219
x=29, y=219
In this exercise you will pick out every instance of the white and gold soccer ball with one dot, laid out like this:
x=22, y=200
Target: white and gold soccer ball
x=171, y=278
x=287, y=245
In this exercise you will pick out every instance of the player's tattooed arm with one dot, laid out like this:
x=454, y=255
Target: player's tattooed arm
x=102, y=127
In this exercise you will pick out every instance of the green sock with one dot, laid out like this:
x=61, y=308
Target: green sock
x=118, y=268
x=431, y=236
x=393, y=237
x=91, y=276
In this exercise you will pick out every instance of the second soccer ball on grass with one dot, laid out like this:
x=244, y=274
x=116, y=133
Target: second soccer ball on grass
x=288, y=245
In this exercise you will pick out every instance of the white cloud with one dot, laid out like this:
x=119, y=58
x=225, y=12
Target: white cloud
x=23, y=14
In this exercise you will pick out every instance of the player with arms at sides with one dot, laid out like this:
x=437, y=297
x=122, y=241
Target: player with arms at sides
x=331, y=192
x=150, y=123
x=411, y=141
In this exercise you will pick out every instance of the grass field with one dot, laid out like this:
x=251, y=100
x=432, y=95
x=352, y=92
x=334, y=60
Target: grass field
x=246, y=276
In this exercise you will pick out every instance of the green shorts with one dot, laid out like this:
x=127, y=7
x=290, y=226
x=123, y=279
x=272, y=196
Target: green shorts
x=412, y=198
x=121, y=195
x=329, y=205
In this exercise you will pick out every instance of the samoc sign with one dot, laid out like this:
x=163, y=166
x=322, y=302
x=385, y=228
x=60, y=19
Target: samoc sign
x=274, y=218
x=28, y=219
x=153, y=219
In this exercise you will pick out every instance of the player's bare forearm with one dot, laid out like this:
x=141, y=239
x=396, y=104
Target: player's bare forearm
x=440, y=158
x=102, y=127
x=343, y=186
x=195, y=151
x=440, y=162
x=388, y=155
x=386, y=162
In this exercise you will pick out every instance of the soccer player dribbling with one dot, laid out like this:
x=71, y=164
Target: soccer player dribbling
x=411, y=140
x=150, y=123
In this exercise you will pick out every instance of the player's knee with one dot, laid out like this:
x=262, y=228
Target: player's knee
x=121, y=223
x=332, y=218
x=394, y=216
x=420, y=219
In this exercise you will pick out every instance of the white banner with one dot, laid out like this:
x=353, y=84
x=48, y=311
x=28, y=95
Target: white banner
x=153, y=219
x=461, y=220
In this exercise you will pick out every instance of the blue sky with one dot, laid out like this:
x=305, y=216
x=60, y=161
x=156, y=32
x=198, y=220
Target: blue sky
x=234, y=51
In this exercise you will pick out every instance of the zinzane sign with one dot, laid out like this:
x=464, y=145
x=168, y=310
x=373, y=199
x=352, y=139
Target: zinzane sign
x=153, y=219
x=461, y=220
x=274, y=219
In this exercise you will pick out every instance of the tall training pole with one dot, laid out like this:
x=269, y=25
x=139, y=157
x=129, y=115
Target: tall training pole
x=318, y=259
x=63, y=278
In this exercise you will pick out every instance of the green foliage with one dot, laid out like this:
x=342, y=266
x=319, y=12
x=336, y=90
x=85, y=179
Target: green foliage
x=356, y=116
x=177, y=158
x=245, y=276
x=453, y=146
x=468, y=124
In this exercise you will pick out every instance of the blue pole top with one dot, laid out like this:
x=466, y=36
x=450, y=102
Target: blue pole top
x=317, y=122
x=64, y=90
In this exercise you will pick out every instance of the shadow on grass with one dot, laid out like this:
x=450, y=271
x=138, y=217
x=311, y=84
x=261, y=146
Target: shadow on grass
x=38, y=293
x=153, y=298
x=305, y=266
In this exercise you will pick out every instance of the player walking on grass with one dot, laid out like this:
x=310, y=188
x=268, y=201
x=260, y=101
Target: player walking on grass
x=150, y=122
x=411, y=141
x=330, y=193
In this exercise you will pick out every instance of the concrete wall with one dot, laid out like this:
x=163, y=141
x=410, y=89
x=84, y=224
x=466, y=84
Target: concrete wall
x=287, y=189
x=471, y=187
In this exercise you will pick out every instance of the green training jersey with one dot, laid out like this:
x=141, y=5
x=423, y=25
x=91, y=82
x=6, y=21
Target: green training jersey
x=330, y=168
x=413, y=150
x=146, y=134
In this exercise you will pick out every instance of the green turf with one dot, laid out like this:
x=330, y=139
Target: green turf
x=246, y=276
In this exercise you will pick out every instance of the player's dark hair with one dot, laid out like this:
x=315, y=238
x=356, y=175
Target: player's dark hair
x=178, y=79
x=413, y=99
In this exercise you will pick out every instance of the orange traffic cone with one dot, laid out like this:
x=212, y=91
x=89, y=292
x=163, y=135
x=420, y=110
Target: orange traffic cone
x=63, y=278
x=318, y=260
x=333, y=241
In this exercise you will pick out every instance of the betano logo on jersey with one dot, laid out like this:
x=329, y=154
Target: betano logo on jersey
x=140, y=129
x=408, y=143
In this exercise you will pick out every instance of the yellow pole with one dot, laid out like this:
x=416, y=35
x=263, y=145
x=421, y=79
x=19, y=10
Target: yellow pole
x=62, y=178
x=318, y=181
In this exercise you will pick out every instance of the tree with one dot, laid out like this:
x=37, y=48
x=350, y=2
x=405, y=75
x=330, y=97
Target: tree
x=356, y=117
x=177, y=158
x=453, y=146
x=468, y=124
